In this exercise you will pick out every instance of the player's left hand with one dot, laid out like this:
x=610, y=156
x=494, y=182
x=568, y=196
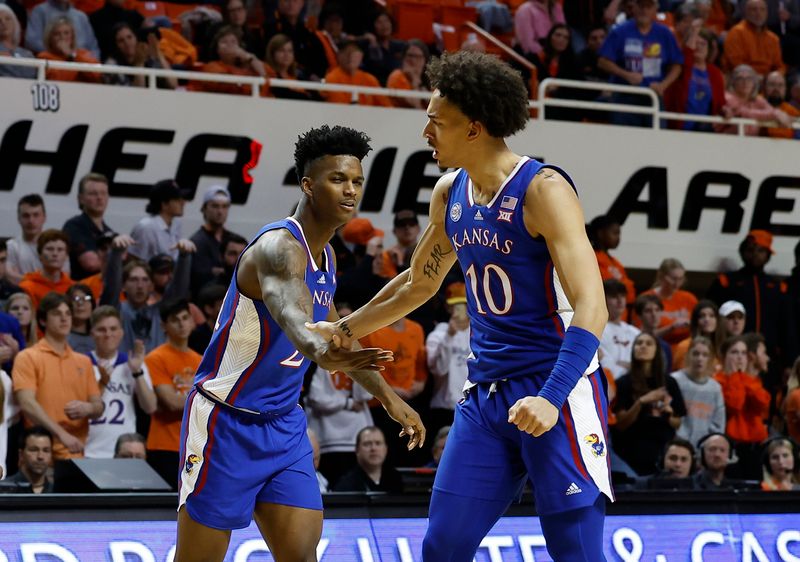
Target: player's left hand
x=407, y=417
x=533, y=414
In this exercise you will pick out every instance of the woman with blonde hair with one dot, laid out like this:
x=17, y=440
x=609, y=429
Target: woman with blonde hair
x=742, y=100
x=678, y=304
x=705, y=405
x=59, y=39
x=20, y=306
x=10, y=34
x=780, y=466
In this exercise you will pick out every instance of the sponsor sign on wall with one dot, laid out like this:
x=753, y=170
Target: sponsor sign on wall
x=687, y=195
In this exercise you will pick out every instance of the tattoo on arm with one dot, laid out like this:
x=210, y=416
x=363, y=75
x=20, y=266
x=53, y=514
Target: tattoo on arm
x=546, y=173
x=434, y=261
x=346, y=329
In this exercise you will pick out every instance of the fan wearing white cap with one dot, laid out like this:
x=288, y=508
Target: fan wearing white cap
x=207, y=261
x=733, y=316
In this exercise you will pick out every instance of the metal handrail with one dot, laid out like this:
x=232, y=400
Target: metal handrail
x=654, y=109
x=500, y=45
x=257, y=81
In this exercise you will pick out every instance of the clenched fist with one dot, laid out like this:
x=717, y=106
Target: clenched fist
x=533, y=415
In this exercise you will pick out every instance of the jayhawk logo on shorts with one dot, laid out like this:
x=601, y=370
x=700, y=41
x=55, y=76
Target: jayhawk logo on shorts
x=598, y=447
x=191, y=460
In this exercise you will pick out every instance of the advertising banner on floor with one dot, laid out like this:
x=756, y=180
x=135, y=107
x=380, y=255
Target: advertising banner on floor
x=641, y=538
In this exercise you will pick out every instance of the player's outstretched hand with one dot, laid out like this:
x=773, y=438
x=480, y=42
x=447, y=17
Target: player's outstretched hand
x=409, y=419
x=337, y=358
x=533, y=414
x=336, y=332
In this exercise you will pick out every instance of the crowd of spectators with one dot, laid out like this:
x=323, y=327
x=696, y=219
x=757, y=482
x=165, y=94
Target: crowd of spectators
x=687, y=375
x=725, y=58
x=99, y=367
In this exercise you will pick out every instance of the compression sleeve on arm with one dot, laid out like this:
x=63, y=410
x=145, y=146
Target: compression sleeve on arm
x=577, y=352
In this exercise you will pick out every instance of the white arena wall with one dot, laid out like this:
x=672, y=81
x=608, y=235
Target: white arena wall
x=691, y=196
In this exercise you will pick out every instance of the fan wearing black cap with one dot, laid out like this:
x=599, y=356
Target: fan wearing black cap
x=160, y=231
x=86, y=229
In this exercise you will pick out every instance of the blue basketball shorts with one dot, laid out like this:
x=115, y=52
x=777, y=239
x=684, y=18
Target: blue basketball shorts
x=488, y=458
x=230, y=461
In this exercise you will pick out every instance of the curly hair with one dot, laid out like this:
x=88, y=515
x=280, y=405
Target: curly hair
x=328, y=141
x=484, y=88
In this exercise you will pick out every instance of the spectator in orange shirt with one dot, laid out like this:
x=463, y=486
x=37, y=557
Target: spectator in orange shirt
x=604, y=234
x=229, y=57
x=59, y=39
x=406, y=375
x=172, y=367
x=411, y=74
x=350, y=58
x=791, y=405
x=775, y=94
x=52, y=247
x=281, y=63
x=746, y=405
x=781, y=466
x=717, y=14
x=54, y=386
x=750, y=42
x=678, y=304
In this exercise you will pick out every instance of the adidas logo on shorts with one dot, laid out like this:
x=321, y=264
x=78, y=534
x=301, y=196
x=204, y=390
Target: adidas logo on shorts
x=573, y=489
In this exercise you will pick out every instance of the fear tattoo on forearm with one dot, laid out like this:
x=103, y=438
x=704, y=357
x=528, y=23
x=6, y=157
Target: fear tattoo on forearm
x=434, y=262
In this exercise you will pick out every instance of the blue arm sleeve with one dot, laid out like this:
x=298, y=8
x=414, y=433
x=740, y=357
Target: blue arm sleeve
x=577, y=351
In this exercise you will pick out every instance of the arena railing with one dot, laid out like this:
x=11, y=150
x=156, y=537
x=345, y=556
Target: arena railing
x=255, y=82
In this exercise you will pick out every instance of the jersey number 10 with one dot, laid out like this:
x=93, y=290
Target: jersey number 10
x=488, y=270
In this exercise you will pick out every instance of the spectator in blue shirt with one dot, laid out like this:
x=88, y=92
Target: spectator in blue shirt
x=641, y=52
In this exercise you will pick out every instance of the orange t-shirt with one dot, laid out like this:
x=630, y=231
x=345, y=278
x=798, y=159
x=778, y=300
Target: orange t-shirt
x=611, y=268
x=746, y=45
x=95, y=283
x=57, y=379
x=784, y=132
x=171, y=366
x=399, y=81
x=176, y=48
x=81, y=55
x=746, y=406
x=677, y=307
x=793, y=414
x=37, y=286
x=219, y=67
x=360, y=78
x=408, y=346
